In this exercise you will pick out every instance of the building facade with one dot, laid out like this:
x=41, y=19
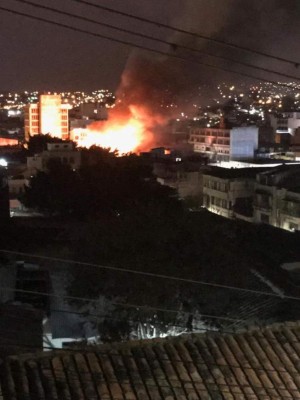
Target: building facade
x=286, y=122
x=214, y=143
x=186, y=177
x=63, y=153
x=228, y=192
x=247, y=141
x=277, y=198
x=48, y=116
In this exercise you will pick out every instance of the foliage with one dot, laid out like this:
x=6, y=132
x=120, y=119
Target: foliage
x=110, y=186
x=38, y=143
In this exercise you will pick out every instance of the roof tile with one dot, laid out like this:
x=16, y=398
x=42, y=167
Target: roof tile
x=259, y=364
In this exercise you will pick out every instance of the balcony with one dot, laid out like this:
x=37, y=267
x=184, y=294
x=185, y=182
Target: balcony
x=265, y=206
x=290, y=208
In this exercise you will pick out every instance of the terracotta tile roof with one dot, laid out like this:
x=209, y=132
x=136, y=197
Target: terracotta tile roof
x=255, y=364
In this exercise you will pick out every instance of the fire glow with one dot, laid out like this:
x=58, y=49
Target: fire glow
x=125, y=132
x=139, y=120
x=115, y=134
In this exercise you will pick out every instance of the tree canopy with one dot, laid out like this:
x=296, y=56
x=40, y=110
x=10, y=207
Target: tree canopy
x=109, y=186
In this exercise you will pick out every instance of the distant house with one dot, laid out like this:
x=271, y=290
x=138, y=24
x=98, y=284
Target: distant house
x=258, y=364
x=63, y=153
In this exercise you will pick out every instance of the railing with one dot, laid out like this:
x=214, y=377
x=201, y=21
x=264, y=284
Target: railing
x=290, y=208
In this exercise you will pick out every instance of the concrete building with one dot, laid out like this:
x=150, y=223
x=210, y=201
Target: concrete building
x=295, y=144
x=245, y=141
x=214, y=143
x=64, y=153
x=90, y=110
x=286, y=122
x=48, y=116
x=4, y=196
x=229, y=192
x=186, y=177
x=277, y=198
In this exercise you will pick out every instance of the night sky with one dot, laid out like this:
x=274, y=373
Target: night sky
x=38, y=56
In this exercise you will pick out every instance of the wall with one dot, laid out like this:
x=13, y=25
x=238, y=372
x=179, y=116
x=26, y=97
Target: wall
x=243, y=142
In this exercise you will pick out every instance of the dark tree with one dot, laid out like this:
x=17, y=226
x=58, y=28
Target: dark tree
x=111, y=186
x=38, y=143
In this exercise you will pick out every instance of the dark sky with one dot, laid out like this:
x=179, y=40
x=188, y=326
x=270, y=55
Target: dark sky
x=37, y=56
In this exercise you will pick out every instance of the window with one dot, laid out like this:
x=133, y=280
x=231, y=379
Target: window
x=224, y=204
x=264, y=218
x=218, y=202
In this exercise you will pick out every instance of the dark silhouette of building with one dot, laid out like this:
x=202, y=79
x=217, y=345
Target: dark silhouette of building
x=4, y=196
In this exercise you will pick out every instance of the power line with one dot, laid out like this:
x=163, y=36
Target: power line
x=123, y=305
x=170, y=44
x=127, y=43
x=197, y=35
x=152, y=274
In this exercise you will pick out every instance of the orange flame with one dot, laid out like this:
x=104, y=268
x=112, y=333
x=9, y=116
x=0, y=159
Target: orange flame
x=125, y=132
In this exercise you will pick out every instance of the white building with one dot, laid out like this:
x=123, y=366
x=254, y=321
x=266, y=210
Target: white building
x=287, y=122
x=246, y=140
x=243, y=142
x=64, y=153
x=48, y=116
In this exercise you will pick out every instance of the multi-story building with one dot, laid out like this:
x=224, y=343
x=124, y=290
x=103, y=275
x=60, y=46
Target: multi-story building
x=211, y=142
x=286, y=122
x=228, y=192
x=245, y=141
x=186, y=177
x=277, y=198
x=48, y=116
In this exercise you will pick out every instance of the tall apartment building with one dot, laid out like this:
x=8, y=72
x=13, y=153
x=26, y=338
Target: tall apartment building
x=48, y=116
x=211, y=142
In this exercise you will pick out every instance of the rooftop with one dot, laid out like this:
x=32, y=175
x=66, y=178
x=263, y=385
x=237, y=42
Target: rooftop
x=235, y=173
x=255, y=364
